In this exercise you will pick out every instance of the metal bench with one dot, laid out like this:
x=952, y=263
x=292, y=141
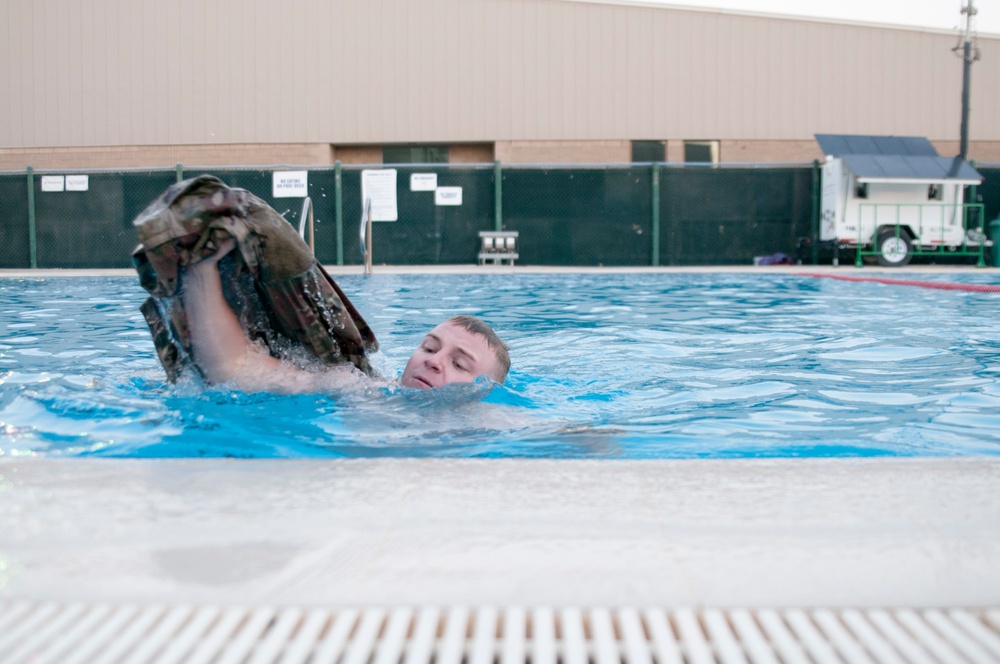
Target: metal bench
x=498, y=246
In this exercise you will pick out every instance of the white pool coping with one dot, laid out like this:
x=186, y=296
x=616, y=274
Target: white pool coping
x=911, y=532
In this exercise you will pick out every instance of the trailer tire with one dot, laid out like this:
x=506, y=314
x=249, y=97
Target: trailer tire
x=893, y=250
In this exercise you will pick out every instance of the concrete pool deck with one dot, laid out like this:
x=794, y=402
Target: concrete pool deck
x=920, y=532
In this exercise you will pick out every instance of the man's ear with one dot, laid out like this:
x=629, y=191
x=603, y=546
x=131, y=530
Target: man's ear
x=495, y=371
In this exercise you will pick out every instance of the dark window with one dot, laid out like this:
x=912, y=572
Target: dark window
x=701, y=152
x=861, y=191
x=934, y=192
x=415, y=154
x=649, y=151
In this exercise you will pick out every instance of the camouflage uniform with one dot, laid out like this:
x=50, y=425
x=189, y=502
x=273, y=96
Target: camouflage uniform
x=282, y=296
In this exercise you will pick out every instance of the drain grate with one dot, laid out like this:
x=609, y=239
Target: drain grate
x=105, y=633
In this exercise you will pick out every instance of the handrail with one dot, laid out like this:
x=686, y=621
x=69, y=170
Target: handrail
x=307, y=214
x=366, y=234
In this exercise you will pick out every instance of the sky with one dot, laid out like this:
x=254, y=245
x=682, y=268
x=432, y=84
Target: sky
x=943, y=14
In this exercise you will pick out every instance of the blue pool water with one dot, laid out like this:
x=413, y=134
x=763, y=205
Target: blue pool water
x=605, y=365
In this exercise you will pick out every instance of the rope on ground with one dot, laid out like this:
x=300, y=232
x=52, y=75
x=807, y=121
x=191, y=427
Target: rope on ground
x=940, y=285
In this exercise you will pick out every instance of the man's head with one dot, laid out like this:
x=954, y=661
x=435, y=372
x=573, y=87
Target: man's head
x=457, y=351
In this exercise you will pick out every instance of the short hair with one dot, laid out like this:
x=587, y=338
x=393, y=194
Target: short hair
x=496, y=344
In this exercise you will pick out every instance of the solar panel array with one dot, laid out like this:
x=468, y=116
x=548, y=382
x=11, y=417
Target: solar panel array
x=895, y=157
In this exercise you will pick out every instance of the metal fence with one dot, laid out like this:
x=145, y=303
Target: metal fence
x=579, y=215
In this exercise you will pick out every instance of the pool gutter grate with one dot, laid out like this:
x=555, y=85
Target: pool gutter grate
x=71, y=633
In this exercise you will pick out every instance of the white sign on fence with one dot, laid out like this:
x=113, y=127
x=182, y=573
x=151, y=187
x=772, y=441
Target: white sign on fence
x=53, y=183
x=290, y=184
x=423, y=181
x=380, y=187
x=448, y=196
x=77, y=182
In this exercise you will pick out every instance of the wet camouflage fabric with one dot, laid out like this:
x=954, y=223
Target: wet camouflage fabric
x=281, y=294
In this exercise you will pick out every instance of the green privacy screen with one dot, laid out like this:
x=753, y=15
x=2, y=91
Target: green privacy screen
x=726, y=216
x=619, y=215
x=14, y=226
x=580, y=216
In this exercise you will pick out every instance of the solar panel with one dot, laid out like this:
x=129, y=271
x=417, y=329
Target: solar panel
x=895, y=157
x=838, y=145
x=910, y=167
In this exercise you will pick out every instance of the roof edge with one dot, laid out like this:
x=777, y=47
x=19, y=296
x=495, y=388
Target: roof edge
x=651, y=4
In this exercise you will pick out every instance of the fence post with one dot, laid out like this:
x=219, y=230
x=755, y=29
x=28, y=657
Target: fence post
x=973, y=189
x=656, y=215
x=815, y=213
x=338, y=204
x=32, y=246
x=180, y=171
x=974, y=199
x=497, y=196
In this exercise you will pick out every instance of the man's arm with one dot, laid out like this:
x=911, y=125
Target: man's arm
x=224, y=352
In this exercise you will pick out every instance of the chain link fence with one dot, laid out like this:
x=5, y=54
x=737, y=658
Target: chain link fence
x=579, y=215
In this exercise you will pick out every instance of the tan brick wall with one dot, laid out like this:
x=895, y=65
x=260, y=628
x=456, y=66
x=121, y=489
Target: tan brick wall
x=675, y=152
x=166, y=156
x=564, y=152
x=470, y=153
x=513, y=152
x=358, y=154
x=769, y=151
x=983, y=152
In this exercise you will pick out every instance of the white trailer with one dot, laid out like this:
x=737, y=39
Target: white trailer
x=894, y=197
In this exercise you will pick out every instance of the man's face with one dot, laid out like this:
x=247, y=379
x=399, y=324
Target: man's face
x=449, y=354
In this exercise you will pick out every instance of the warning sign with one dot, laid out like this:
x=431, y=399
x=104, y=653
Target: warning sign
x=290, y=184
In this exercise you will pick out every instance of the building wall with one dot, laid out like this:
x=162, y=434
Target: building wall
x=139, y=156
x=772, y=151
x=535, y=77
x=509, y=152
x=477, y=153
x=359, y=154
x=569, y=152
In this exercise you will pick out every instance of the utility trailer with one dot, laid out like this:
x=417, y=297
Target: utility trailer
x=894, y=197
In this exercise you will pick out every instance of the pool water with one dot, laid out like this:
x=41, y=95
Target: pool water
x=604, y=366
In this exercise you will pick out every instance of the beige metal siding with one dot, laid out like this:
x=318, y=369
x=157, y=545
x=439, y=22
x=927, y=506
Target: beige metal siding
x=142, y=72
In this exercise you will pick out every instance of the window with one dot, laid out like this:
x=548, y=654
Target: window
x=701, y=152
x=861, y=190
x=415, y=154
x=649, y=151
x=934, y=192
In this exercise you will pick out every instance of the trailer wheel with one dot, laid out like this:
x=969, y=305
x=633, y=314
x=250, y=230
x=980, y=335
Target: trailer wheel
x=894, y=251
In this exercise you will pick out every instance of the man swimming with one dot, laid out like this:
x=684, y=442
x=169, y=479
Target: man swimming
x=458, y=350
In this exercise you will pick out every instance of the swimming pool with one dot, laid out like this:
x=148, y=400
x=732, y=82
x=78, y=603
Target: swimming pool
x=605, y=365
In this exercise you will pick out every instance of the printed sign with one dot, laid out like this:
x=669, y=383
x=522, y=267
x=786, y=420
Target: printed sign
x=290, y=184
x=379, y=186
x=448, y=196
x=77, y=182
x=423, y=181
x=53, y=183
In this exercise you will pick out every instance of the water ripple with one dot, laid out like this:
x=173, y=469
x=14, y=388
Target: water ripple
x=605, y=365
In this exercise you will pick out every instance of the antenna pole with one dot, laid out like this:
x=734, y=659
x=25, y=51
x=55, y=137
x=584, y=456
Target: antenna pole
x=967, y=59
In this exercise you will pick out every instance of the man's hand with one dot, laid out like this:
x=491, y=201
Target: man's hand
x=212, y=260
x=219, y=345
x=222, y=350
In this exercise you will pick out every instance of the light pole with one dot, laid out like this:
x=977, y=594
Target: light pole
x=968, y=55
